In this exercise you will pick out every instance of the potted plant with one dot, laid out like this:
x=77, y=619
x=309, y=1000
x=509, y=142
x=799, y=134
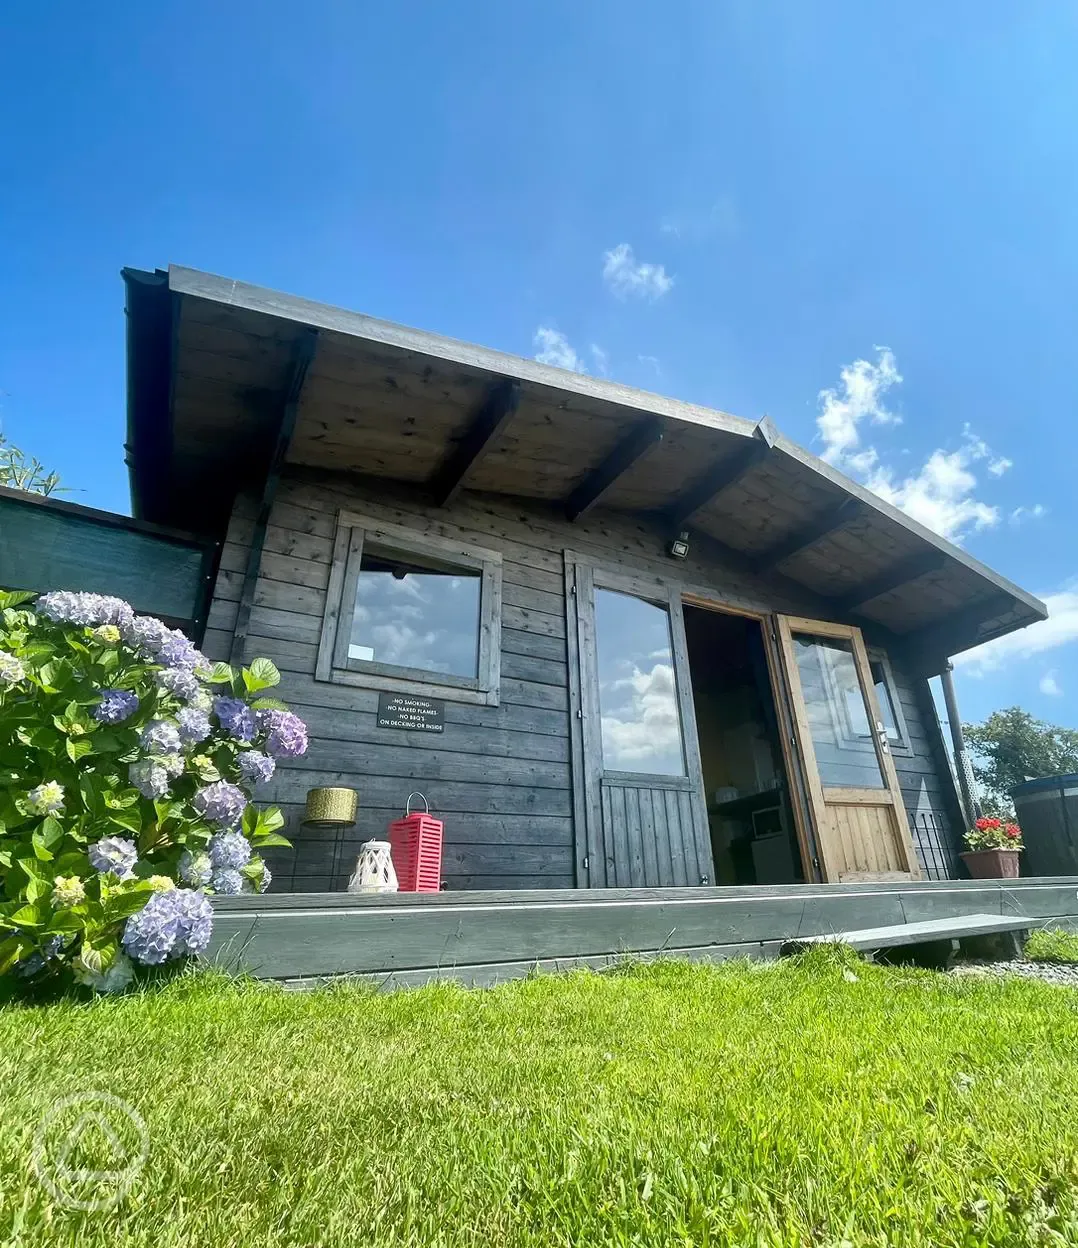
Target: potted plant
x=994, y=846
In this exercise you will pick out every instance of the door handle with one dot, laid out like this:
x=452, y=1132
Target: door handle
x=881, y=736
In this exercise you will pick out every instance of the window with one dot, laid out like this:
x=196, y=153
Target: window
x=411, y=613
x=848, y=712
x=641, y=726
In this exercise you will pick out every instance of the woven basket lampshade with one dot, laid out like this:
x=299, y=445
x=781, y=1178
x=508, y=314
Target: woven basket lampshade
x=331, y=808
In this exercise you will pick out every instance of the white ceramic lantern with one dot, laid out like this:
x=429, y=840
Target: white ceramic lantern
x=374, y=869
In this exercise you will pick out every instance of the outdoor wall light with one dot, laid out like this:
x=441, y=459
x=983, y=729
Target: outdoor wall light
x=679, y=547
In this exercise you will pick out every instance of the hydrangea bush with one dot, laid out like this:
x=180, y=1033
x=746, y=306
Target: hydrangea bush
x=127, y=767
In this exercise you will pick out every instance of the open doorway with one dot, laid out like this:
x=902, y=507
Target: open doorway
x=753, y=837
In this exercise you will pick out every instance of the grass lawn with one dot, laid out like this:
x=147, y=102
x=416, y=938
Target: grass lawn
x=740, y=1104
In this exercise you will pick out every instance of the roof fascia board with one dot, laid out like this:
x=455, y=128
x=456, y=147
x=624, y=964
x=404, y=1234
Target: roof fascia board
x=498, y=363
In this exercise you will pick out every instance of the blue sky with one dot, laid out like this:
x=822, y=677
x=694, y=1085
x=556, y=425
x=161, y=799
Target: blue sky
x=776, y=208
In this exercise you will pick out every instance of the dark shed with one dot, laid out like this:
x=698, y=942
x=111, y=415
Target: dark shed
x=409, y=517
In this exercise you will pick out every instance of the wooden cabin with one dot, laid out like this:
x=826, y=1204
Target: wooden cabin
x=616, y=640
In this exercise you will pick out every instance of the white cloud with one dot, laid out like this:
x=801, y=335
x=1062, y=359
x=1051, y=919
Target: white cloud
x=602, y=360
x=1050, y=686
x=1059, y=629
x=652, y=361
x=941, y=494
x=645, y=732
x=554, y=348
x=626, y=276
x=1021, y=514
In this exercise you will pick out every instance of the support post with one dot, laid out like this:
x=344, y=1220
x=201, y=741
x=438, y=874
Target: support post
x=962, y=763
x=302, y=355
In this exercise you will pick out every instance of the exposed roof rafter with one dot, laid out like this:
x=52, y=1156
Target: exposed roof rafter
x=489, y=421
x=636, y=443
x=892, y=578
x=719, y=477
x=840, y=515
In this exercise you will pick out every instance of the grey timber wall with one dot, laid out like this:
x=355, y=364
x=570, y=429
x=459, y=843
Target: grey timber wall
x=500, y=776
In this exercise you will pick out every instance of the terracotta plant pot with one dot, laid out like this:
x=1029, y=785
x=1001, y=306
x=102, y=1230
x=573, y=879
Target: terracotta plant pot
x=992, y=864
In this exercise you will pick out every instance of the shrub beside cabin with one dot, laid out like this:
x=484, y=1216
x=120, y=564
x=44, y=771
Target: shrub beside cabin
x=467, y=567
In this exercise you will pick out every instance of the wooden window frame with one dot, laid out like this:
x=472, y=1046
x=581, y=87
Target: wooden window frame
x=334, y=664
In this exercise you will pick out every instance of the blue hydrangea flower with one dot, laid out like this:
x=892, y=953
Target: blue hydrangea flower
x=149, y=777
x=235, y=717
x=221, y=803
x=195, y=868
x=170, y=925
x=194, y=725
x=160, y=736
x=65, y=607
x=146, y=634
x=266, y=880
x=178, y=680
x=286, y=734
x=229, y=849
x=255, y=767
x=113, y=855
x=11, y=670
x=115, y=706
x=228, y=882
x=37, y=961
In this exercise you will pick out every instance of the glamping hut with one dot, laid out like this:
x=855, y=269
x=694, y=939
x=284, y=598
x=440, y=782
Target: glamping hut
x=617, y=641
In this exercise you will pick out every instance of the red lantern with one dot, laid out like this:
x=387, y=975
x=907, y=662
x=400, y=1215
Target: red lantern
x=416, y=842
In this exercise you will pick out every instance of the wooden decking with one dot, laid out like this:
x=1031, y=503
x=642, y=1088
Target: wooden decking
x=482, y=937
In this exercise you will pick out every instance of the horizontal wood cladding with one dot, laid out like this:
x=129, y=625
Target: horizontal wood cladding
x=497, y=775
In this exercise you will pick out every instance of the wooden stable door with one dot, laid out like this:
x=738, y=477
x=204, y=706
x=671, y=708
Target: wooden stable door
x=639, y=803
x=862, y=832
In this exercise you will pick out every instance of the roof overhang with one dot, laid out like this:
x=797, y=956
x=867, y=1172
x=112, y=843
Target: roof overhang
x=212, y=372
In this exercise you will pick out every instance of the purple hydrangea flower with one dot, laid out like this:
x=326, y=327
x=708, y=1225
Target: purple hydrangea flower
x=286, y=734
x=255, y=767
x=113, y=855
x=146, y=634
x=180, y=651
x=195, y=868
x=235, y=717
x=170, y=925
x=194, y=725
x=221, y=803
x=115, y=706
x=178, y=680
x=160, y=737
x=149, y=777
x=11, y=670
x=229, y=849
x=228, y=882
x=65, y=607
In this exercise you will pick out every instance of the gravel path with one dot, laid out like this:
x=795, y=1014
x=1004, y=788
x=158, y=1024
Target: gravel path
x=1064, y=974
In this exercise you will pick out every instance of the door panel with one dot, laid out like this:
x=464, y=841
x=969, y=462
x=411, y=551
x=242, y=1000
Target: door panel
x=861, y=827
x=634, y=736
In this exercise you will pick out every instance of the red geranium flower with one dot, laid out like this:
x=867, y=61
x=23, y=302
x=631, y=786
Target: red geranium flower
x=983, y=824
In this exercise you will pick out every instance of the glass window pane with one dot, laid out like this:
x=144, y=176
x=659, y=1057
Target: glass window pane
x=414, y=611
x=884, y=698
x=835, y=705
x=637, y=693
